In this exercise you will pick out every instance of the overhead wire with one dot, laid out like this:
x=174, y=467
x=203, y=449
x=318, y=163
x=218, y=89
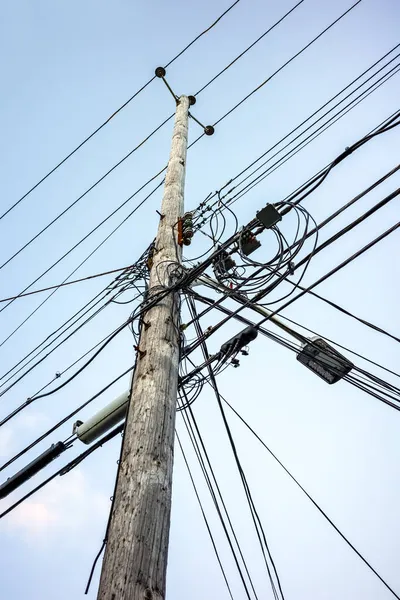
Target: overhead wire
x=302, y=145
x=59, y=285
x=63, y=420
x=249, y=47
x=232, y=62
x=99, y=299
x=211, y=481
x=89, y=234
x=54, y=264
x=66, y=468
x=204, y=516
x=143, y=87
x=268, y=333
x=255, y=516
x=317, y=506
x=139, y=146
x=286, y=63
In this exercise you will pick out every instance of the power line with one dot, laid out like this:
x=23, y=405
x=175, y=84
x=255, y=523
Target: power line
x=118, y=208
x=317, y=506
x=199, y=447
x=98, y=181
x=291, y=153
x=89, y=234
x=98, y=299
x=95, y=184
x=204, y=516
x=286, y=63
x=322, y=107
x=274, y=337
x=59, y=285
x=63, y=420
x=256, y=519
x=311, y=137
x=67, y=468
x=249, y=47
x=116, y=112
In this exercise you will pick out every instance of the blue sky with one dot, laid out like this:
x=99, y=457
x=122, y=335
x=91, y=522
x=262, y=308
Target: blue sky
x=66, y=68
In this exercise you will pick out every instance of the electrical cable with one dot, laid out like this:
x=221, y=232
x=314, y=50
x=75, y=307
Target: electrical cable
x=137, y=270
x=134, y=150
x=90, y=233
x=204, y=516
x=63, y=420
x=59, y=285
x=313, y=136
x=73, y=248
x=349, y=314
x=286, y=63
x=45, y=347
x=249, y=47
x=256, y=519
x=116, y=112
x=143, y=309
x=66, y=469
x=198, y=451
x=317, y=506
x=68, y=208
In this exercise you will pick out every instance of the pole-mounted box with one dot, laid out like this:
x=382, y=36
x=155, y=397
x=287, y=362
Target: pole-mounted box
x=324, y=360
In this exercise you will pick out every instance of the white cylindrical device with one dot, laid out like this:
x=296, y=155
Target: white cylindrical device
x=102, y=421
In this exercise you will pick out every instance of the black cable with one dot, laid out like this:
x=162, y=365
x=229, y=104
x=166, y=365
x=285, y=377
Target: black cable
x=314, y=134
x=351, y=225
x=135, y=149
x=249, y=47
x=157, y=297
x=256, y=519
x=286, y=63
x=204, y=516
x=128, y=199
x=98, y=299
x=306, y=260
x=310, y=138
x=92, y=231
x=368, y=382
x=43, y=358
x=269, y=334
x=338, y=267
x=66, y=469
x=321, y=108
x=59, y=285
x=95, y=184
x=317, y=506
x=62, y=421
x=349, y=314
x=116, y=112
x=197, y=450
x=310, y=187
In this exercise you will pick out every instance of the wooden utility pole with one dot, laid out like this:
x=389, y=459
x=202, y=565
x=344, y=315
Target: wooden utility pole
x=135, y=561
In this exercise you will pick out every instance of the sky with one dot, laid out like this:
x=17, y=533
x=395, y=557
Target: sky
x=66, y=68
